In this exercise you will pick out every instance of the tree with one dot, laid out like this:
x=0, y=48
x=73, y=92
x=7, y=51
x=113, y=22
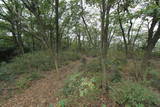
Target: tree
x=153, y=35
x=57, y=24
x=14, y=17
x=105, y=16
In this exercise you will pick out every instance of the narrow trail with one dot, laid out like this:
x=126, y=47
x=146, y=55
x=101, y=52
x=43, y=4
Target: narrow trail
x=43, y=92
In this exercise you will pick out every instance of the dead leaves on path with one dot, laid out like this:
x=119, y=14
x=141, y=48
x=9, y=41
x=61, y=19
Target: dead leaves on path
x=42, y=93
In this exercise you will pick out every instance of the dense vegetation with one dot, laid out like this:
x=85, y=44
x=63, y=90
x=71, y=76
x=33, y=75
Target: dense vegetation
x=116, y=41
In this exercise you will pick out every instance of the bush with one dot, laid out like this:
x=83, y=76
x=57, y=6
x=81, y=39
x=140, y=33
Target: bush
x=91, y=52
x=28, y=63
x=83, y=86
x=22, y=83
x=94, y=66
x=71, y=84
x=69, y=56
x=33, y=62
x=133, y=94
x=34, y=76
x=153, y=76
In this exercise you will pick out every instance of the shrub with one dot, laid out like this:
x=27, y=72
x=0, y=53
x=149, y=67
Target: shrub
x=116, y=54
x=71, y=84
x=81, y=86
x=34, y=76
x=114, y=76
x=94, y=66
x=133, y=94
x=152, y=73
x=91, y=52
x=22, y=83
x=153, y=76
x=33, y=62
x=69, y=56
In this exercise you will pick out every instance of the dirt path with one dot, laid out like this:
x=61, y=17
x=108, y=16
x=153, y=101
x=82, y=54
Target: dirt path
x=43, y=92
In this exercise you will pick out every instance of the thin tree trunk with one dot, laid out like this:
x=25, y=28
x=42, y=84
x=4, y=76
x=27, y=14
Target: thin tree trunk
x=86, y=26
x=57, y=32
x=103, y=56
x=123, y=32
x=57, y=25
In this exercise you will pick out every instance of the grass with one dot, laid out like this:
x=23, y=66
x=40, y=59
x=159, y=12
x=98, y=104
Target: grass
x=21, y=71
x=81, y=87
x=28, y=63
x=33, y=62
x=128, y=93
x=129, y=84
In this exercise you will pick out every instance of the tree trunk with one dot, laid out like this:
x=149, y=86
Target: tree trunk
x=86, y=26
x=57, y=25
x=79, y=41
x=123, y=32
x=57, y=32
x=104, y=40
x=152, y=40
x=17, y=39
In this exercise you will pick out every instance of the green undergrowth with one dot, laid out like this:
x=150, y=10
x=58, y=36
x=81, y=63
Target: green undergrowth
x=81, y=87
x=21, y=70
x=92, y=52
x=132, y=94
x=24, y=81
x=128, y=84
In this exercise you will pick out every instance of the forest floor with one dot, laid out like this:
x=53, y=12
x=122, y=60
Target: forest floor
x=43, y=92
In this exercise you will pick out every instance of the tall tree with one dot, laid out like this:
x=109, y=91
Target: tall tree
x=153, y=35
x=105, y=15
x=14, y=17
x=57, y=25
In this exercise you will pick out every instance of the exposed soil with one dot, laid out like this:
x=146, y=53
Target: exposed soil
x=42, y=93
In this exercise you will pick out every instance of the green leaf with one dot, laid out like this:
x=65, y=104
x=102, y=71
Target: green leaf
x=103, y=105
x=51, y=105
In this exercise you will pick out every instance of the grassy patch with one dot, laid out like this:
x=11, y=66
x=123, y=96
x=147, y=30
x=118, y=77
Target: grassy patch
x=28, y=63
x=93, y=66
x=129, y=84
x=128, y=93
x=33, y=62
x=81, y=87
x=21, y=71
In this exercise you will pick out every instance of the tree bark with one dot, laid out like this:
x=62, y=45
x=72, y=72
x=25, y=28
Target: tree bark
x=105, y=10
x=123, y=32
x=57, y=32
x=152, y=39
x=104, y=83
x=57, y=24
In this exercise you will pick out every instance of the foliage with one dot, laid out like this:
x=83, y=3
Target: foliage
x=71, y=84
x=22, y=83
x=6, y=41
x=81, y=85
x=114, y=30
x=133, y=94
x=91, y=52
x=69, y=56
x=93, y=66
x=62, y=103
x=153, y=76
x=32, y=63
